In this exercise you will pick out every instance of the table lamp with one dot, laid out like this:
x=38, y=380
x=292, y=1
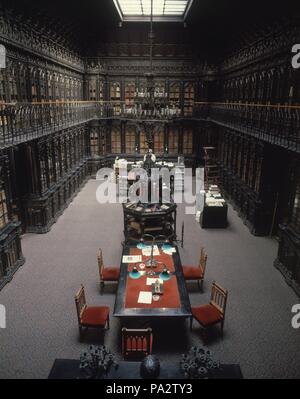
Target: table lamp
x=151, y=262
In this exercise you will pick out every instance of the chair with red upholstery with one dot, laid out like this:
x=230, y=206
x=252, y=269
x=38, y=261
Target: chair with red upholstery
x=214, y=312
x=90, y=316
x=196, y=272
x=136, y=344
x=107, y=273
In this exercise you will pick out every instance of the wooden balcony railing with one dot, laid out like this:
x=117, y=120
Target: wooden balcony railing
x=20, y=122
x=276, y=123
x=25, y=121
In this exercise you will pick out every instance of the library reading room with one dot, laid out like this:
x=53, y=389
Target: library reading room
x=149, y=189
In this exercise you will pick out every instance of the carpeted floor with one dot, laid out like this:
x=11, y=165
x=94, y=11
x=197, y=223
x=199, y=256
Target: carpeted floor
x=41, y=316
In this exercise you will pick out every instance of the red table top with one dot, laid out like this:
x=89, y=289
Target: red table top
x=170, y=297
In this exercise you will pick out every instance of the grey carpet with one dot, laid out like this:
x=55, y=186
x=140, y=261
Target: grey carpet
x=41, y=317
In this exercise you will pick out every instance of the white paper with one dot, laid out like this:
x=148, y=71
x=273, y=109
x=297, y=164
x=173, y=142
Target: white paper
x=145, y=297
x=172, y=250
x=147, y=251
x=132, y=259
x=151, y=281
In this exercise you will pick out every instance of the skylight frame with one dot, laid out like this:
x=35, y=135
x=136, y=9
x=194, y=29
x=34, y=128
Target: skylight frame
x=131, y=17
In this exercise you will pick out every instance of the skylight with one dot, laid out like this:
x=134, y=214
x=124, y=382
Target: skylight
x=163, y=10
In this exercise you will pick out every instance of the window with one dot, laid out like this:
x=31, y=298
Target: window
x=187, y=141
x=3, y=209
x=101, y=91
x=130, y=140
x=159, y=89
x=174, y=93
x=163, y=10
x=50, y=91
x=115, y=96
x=173, y=141
x=143, y=143
x=159, y=142
x=72, y=89
x=115, y=140
x=189, y=97
x=129, y=93
x=93, y=89
x=94, y=143
x=62, y=86
x=68, y=85
x=142, y=87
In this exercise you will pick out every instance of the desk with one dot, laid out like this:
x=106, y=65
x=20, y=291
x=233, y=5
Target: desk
x=64, y=369
x=214, y=216
x=173, y=303
x=214, y=213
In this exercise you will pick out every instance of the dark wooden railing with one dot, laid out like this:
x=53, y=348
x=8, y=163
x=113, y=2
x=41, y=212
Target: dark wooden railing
x=275, y=123
x=25, y=121
x=20, y=122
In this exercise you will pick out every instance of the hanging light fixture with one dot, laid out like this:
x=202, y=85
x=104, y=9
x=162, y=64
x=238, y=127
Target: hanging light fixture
x=152, y=101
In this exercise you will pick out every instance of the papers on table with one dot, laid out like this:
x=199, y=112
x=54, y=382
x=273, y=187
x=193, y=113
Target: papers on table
x=132, y=259
x=145, y=297
x=147, y=251
x=151, y=281
x=169, y=251
x=212, y=201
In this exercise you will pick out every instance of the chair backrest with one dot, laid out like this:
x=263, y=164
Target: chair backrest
x=203, y=260
x=80, y=302
x=218, y=297
x=100, y=262
x=136, y=343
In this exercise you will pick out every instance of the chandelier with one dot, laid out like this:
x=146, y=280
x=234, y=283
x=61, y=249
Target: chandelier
x=152, y=101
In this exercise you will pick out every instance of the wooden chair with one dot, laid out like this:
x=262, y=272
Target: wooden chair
x=90, y=316
x=214, y=312
x=136, y=344
x=196, y=272
x=108, y=273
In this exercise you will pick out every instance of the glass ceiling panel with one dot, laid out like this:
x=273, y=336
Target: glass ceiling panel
x=161, y=8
